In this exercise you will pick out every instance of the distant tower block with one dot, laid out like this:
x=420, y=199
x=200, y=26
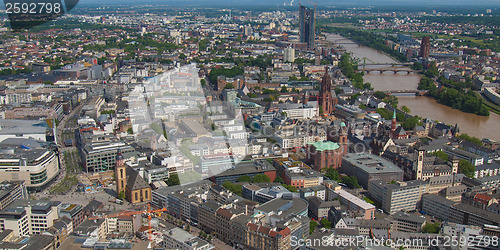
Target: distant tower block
x=317, y=57
x=289, y=55
x=307, y=26
x=425, y=47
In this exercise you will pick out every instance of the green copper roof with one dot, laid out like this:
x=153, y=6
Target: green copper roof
x=394, y=115
x=342, y=124
x=325, y=145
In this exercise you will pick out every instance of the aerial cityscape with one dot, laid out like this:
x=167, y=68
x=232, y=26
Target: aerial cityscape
x=256, y=125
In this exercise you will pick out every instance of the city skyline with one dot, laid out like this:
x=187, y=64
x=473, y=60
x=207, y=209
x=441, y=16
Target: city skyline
x=212, y=127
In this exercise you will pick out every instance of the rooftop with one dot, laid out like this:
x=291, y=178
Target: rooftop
x=408, y=217
x=371, y=163
x=283, y=207
x=353, y=199
x=478, y=212
x=324, y=145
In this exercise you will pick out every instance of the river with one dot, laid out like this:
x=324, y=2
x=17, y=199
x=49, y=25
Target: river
x=478, y=126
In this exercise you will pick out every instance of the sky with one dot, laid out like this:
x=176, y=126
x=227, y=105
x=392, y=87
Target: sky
x=320, y=2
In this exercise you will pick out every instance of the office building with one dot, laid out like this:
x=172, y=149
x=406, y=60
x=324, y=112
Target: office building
x=177, y=238
x=401, y=196
x=369, y=167
x=409, y=223
x=470, y=215
x=101, y=155
x=307, y=24
x=11, y=191
x=26, y=217
x=437, y=206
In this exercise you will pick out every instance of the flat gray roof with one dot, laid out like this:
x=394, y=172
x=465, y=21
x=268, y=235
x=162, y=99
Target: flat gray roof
x=371, y=163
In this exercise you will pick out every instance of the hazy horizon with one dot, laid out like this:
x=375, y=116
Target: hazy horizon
x=478, y=3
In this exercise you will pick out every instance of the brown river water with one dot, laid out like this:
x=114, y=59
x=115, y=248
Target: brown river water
x=478, y=126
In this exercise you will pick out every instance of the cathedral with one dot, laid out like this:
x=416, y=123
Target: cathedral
x=326, y=99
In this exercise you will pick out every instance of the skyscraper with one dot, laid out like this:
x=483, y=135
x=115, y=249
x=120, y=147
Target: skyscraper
x=425, y=47
x=307, y=26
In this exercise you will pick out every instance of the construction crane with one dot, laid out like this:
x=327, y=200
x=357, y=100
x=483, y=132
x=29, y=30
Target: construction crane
x=149, y=212
x=315, y=4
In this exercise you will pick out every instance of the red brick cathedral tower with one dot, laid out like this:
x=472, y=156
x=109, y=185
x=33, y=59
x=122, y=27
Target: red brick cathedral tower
x=326, y=100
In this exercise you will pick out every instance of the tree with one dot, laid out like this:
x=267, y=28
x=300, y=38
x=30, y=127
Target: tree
x=442, y=155
x=278, y=179
x=173, y=180
x=284, y=89
x=203, y=82
x=291, y=188
x=312, y=226
x=351, y=181
x=235, y=188
x=244, y=178
x=431, y=228
x=379, y=94
x=472, y=139
x=130, y=131
x=261, y=178
x=121, y=195
x=466, y=168
x=229, y=86
x=417, y=66
x=405, y=109
x=326, y=223
x=333, y=174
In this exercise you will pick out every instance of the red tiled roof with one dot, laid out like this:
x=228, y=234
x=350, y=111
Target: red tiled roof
x=482, y=198
x=253, y=227
x=286, y=231
x=264, y=230
x=224, y=212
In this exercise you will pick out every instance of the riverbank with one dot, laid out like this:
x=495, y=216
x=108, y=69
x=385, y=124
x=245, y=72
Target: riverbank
x=474, y=125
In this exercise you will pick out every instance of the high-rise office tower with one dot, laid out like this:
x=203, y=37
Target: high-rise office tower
x=425, y=47
x=307, y=26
